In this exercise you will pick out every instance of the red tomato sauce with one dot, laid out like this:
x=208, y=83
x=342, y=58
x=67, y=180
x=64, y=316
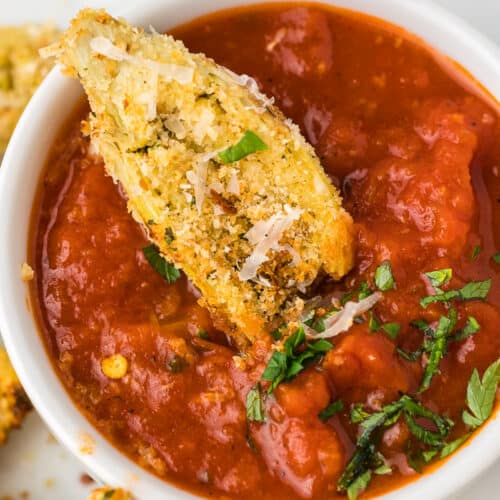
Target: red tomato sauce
x=417, y=157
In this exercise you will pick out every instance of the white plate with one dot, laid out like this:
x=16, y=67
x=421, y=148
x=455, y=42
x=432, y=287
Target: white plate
x=32, y=462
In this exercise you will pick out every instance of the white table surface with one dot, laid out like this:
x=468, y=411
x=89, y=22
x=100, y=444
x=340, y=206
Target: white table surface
x=32, y=462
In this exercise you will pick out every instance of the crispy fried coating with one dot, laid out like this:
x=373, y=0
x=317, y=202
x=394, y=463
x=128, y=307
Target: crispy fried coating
x=108, y=493
x=21, y=71
x=252, y=232
x=14, y=404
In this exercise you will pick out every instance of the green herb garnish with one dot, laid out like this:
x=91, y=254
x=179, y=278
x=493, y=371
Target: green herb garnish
x=317, y=321
x=177, y=364
x=435, y=343
x=475, y=253
x=331, y=410
x=436, y=349
x=384, y=279
x=203, y=334
x=255, y=405
x=298, y=355
x=481, y=395
x=496, y=258
x=439, y=278
x=374, y=325
x=169, y=235
x=470, y=328
x=248, y=144
x=392, y=329
x=475, y=290
x=251, y=444
x=451, y=447
x=278, y=333
x=160, y=265
x=364, y=290
x=359, y=485
x=366, y=459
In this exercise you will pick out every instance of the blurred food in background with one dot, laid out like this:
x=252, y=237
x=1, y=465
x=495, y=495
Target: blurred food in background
x=21, y=71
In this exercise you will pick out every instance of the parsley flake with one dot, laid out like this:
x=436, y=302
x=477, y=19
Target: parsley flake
x=169, y=235
x=471, y=327
x=496, y=258
x=374, y=325
x=439, y=278
x=384, y=279
x=366, y=459
x=331, y=410
x=359, y=485
x=248, y=144
x=475, y=290
x=298, y=354
x=451, y=447
x=160, y=265
x=475, y=253
x=481, y=395
x=436, y=351
x=255, y=404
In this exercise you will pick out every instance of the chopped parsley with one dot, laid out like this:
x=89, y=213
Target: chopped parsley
x=367, y=460
x=298, y=355
x=439, y=278
x=364, y=290
x=108, y=494
x=436, y=348
x=248, y=144
x=359, y=485
x=475, y=253
x=452, y=446
x=160, y=265
x=255, y=405
x=481, y=395
x=392, y=329
x=278, y=333
x=318, y=318
x=169, y=235
x=475, y=290
x=470, y=328
x=331, y=410
x=436, y=342
x=177, y=364
x=384, y=279
x=203, y=334
x=496, y=258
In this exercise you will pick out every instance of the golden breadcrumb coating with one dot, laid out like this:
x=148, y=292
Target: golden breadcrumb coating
x=14, y=404
x=251, y=232
x=21, y=71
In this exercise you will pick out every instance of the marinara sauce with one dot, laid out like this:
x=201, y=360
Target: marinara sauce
x=415, y=148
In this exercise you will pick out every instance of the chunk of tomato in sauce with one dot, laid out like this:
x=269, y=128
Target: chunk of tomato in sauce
x=303, y=452
x=359, y=367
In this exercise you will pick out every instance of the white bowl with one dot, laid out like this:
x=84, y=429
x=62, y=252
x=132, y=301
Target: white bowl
x=19, y=178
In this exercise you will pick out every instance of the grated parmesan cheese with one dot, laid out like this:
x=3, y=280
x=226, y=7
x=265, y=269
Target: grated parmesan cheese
x=182, y=74
x=344, y=319
x=250, y=84
x=198, y=178
x=233, y=186
x=265, y=236
x=105, y=47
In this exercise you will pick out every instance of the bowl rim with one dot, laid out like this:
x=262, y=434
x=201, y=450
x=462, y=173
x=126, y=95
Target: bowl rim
x=439, y=28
